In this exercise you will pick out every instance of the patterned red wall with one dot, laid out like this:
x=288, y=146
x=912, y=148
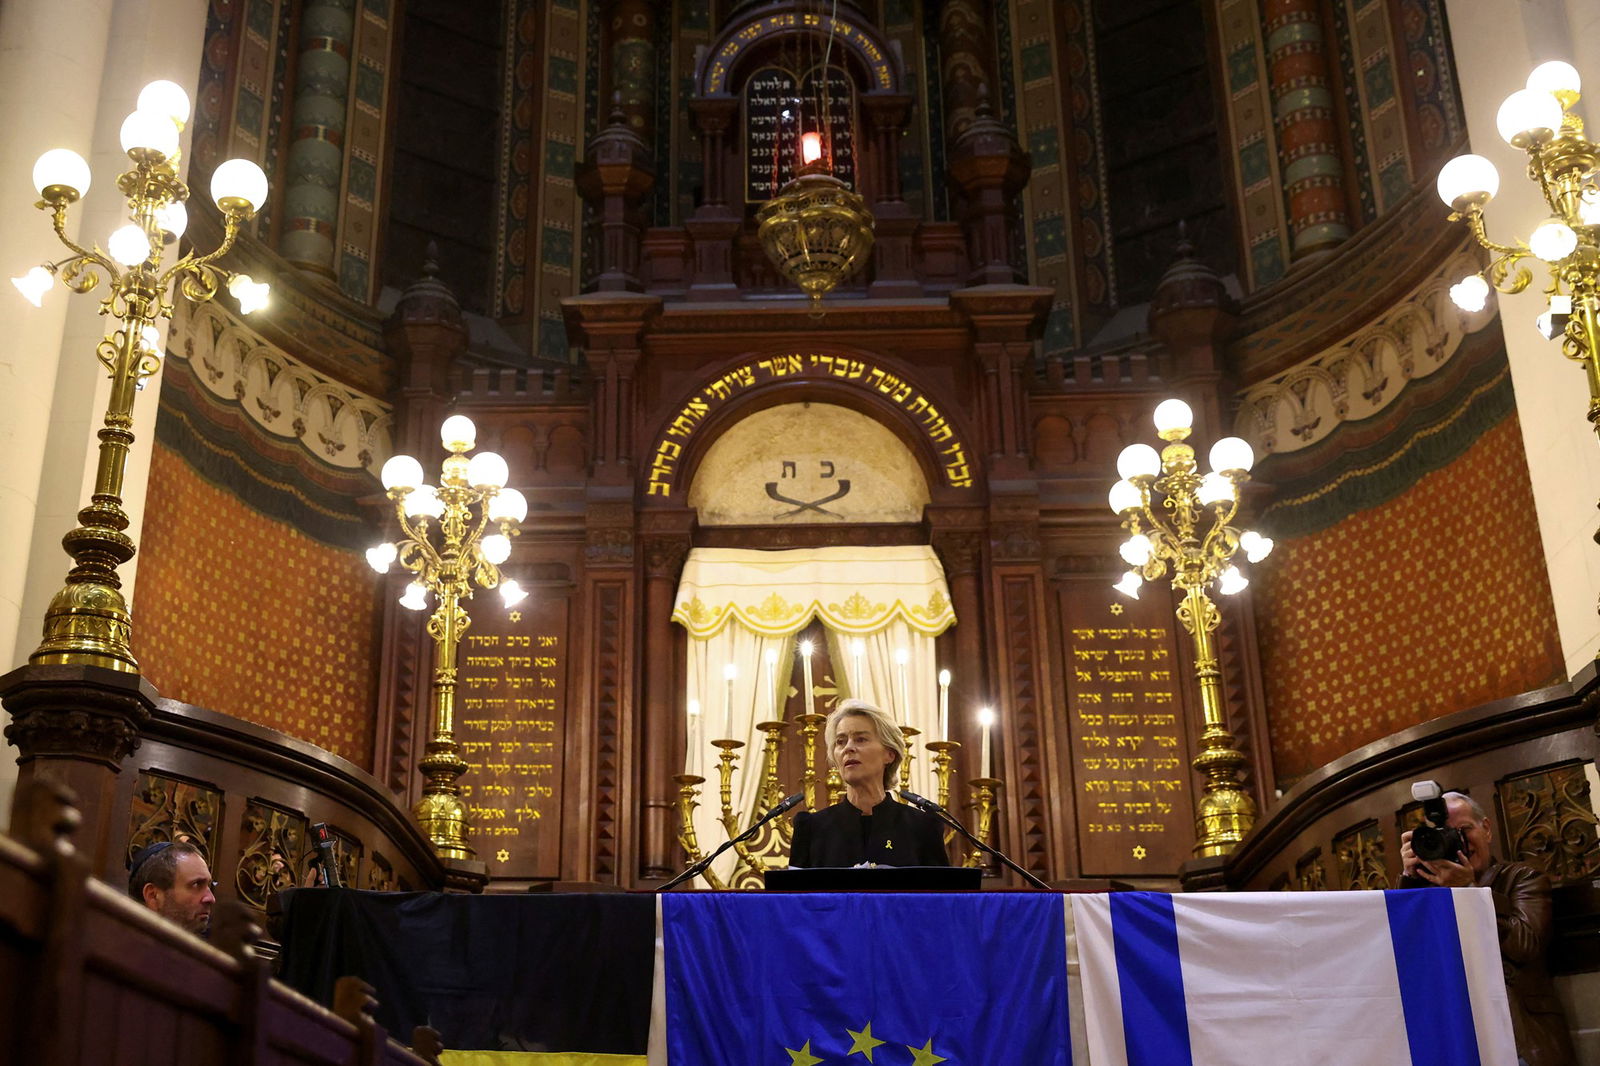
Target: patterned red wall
x=248, y=616
x=1433, y=602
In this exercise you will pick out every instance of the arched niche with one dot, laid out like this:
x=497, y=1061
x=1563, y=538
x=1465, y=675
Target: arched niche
x=804, y=463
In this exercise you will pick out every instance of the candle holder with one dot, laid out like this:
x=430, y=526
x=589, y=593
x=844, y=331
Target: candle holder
x=985, y=793
x=905, y=764
x=810, y=726
x=730, y=755
x=943, y=762
x=835, y=787
x=688, y=800
x=771, y=751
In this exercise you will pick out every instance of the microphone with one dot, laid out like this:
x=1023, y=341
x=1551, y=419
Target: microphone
x=325, y=840
x=788, y=804
x=922, y=803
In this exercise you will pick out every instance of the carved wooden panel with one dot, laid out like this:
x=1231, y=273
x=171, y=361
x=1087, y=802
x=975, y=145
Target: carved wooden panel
x=1359, y=851
x=609, y=643
x=170, y=808
x=273, y=852
x=380, y=875
x=1309, y=875
x=1020, y=656
x=1550, y=822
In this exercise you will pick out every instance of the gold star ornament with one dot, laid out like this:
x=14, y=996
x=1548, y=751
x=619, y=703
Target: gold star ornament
x=803, y=1057
x=1139, y=852
x=1117, y=608
x=924, y=1056
x=502, y=855
x=516, y=616
x=864, y=1042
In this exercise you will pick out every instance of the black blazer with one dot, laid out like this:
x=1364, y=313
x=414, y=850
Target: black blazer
x=901, y=836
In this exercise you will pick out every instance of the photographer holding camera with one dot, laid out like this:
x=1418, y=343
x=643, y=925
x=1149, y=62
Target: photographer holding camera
x=1451, y=849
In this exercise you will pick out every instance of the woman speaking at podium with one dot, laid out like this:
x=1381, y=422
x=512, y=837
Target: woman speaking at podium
x=866, y=747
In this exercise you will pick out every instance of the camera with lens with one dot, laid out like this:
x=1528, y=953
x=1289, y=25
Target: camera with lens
x=1433, y=839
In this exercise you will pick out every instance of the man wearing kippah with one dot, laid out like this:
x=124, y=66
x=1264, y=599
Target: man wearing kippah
x=173, y=880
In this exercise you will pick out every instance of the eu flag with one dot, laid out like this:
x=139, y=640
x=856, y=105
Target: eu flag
x=900, y=980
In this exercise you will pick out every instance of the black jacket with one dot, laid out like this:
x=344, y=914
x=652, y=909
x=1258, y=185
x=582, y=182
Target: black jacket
x=901, y=836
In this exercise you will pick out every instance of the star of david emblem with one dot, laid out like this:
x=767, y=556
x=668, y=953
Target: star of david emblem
x=502, y=855
x=1117, y=608
x=516, y=616
x=1139, y=852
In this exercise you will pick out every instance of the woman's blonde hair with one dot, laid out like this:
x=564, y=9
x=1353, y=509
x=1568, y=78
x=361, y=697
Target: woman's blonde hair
x=889, y=734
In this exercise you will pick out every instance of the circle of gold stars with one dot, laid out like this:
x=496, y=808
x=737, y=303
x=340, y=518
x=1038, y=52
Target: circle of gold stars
x=864, y=1043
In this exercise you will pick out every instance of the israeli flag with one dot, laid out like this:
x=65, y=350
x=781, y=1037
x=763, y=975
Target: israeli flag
x=1292, y=978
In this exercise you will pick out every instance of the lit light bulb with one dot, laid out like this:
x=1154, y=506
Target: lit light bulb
x=1136, y=550
x=1129, y=585
x=730, y=671
x=415, y=598
x=1138, y=460
x=810, y=147
x=129, y=245
x=150, y=132
x=508, y=505
x=1468, y=179
x=1230, y=582
x=1232, y=453
x=150, y=337
x=1528, y=117
x=382, y=557
x=1215, y=488
x=1552, y=240
x=165, y=98
x=34, y=284
x=1470, y=293
x=1556, y=77
x=424, y=502
x=458, y=433
x=512, y=593
x=61, y=171
x=1125, y=496
x=496, y=548
x=239, y=187
x=1589, y=206
x=487, y=470
x=1254, y=545
x=251, y=294
x=173, y=217
x=1171, y=416
x=401, y=472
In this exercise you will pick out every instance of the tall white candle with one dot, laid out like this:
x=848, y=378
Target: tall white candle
x=729, y=672
x=772, y=683
x=986, y=720
x=858, y=648
x=693, y=760
x=901, y=657
x=944, y=705
x=805, y=659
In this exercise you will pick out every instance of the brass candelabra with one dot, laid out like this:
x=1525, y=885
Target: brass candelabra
x=1565, y=164
x=1190, y=534
x=88, y=622
x=447, y=558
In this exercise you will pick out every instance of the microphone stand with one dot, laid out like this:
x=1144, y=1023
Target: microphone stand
x=951, y=820
x=696, y=868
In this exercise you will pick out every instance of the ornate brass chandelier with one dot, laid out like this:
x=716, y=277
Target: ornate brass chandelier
x=88, y=621
x=1539, y=121
x=447, y=560
x=816, y=231
x=1190, y=533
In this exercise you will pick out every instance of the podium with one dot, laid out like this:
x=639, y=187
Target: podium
x=875, y=879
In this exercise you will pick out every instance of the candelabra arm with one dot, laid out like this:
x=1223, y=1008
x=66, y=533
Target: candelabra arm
x=1537, y=171
x=73, y=270
x=688, y=839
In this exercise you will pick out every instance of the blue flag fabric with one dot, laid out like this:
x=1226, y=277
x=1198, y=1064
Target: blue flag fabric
x=900, y=980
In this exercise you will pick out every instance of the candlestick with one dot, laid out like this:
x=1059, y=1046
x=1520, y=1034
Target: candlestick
x=772, y=681
x=944, y=705
x=986, y=720
x=693, y=759
x=729, y=672
x=805, y=658
x=901, y=657
x=858, y=648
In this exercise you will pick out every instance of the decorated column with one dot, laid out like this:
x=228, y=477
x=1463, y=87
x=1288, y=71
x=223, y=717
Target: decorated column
x=1308, y=133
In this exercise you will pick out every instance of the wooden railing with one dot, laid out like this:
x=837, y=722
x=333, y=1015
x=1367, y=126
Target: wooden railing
x=1528, y=760
x=88, y=976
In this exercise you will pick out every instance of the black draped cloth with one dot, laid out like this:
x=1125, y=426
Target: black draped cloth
x=559, y=972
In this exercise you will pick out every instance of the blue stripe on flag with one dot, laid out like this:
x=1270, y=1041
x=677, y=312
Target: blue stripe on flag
x=1433, y=977
x=1155, y=1020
